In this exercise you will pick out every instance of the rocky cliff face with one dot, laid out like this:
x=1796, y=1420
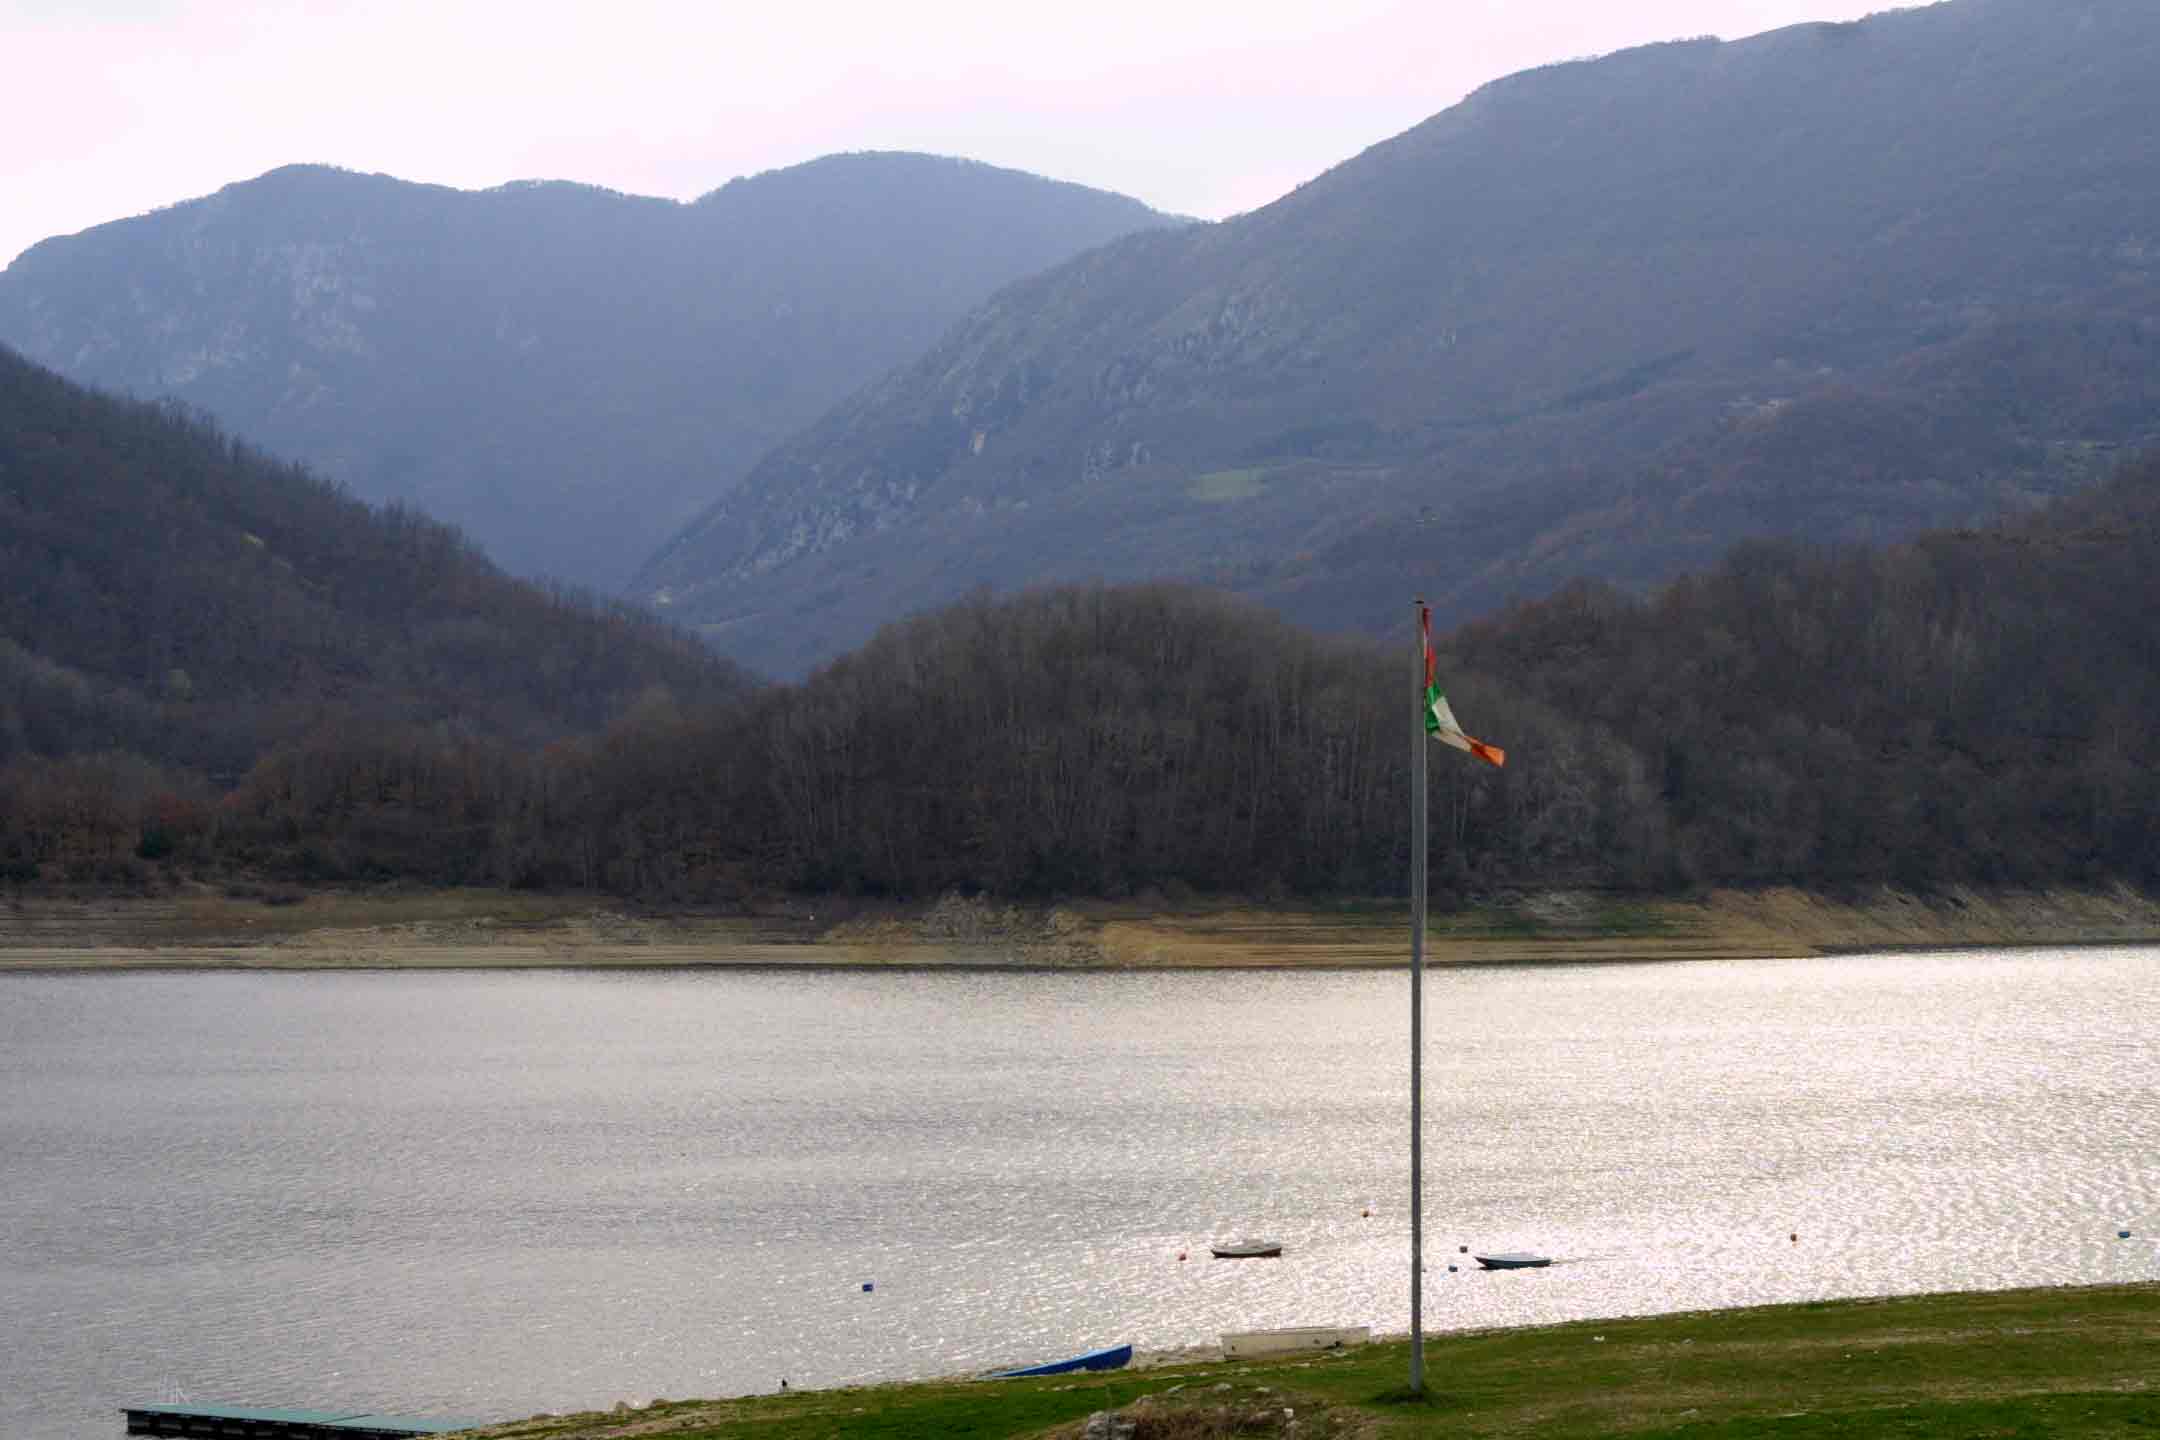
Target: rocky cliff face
x=566, y=373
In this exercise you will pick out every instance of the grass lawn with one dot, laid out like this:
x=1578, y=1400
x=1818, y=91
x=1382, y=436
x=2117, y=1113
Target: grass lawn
x=2013, y=1364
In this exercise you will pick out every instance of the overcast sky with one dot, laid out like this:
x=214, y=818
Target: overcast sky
x=1204, y=107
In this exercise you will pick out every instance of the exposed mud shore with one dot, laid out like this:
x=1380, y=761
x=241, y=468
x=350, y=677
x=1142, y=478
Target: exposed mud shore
x=467, y=929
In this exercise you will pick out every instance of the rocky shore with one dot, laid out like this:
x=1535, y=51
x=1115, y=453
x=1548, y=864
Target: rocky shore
x=335, y=930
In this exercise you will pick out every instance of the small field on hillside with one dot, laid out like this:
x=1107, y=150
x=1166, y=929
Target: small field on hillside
x=1219, y=485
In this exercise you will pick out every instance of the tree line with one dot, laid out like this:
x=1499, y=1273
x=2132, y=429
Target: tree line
x=1971, y=707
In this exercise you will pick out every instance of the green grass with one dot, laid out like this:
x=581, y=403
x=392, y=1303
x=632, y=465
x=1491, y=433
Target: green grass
x=1222, y=485
x=1495, y=922
x=2030, y=1363
x=1632, y=918
x=973, y=1410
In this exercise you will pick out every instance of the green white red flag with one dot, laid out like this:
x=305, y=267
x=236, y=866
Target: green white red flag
x=1439, y=718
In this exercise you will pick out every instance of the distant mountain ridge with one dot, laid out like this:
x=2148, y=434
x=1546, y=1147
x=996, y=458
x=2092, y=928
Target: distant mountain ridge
x=565, y=372
x=174, y=596
x=1848, y=281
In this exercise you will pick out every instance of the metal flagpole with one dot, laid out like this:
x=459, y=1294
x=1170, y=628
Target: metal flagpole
x=1417, y=1022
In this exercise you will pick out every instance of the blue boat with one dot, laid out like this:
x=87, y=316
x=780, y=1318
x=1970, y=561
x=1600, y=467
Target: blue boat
x=1117, y=1357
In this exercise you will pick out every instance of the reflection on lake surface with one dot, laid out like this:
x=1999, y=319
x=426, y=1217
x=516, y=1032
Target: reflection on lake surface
x=499, y=1193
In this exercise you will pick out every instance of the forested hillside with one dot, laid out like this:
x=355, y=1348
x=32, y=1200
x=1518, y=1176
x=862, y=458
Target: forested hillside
x=567, y=374
x=177, y=605
x=1604, y=318
x=1970, y=706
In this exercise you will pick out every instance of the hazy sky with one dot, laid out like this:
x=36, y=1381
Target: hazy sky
x=1206, y=107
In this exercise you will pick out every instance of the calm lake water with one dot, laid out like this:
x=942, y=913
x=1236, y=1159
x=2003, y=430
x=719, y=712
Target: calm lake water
x=492, y=1194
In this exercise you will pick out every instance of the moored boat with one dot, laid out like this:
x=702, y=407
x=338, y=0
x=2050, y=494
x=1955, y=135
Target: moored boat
x=1115, y=1357
x=1246, y=1250
x=1513, y=1260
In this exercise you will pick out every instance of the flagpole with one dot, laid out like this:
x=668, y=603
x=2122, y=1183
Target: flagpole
x=1417, y=1020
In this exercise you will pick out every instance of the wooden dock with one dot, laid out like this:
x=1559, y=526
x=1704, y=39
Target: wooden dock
x=226, y=1422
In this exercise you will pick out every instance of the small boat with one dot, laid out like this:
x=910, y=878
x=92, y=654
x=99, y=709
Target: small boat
x=1247, y=1250
x=1117, y=1357
x=1297, y=1340
x=1513, y=1260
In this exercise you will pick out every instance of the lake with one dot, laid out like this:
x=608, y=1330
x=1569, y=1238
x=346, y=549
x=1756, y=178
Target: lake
x=497, y=1193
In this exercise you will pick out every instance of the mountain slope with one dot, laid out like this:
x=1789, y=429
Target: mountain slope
x=1604, y=316
x=172, y=594
x=566, y=373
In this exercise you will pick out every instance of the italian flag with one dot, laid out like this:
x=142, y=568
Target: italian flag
x=1439, y=719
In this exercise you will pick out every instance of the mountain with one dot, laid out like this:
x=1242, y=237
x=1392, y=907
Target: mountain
x=564, y=372
x=1844, y=281
x=173, y=595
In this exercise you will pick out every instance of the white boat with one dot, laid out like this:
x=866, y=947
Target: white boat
x=1298, y=1340
x=1513, y=1260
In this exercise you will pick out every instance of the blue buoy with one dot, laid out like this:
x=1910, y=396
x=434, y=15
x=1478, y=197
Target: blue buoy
x=1451, y=1269
x=2122, y=1234
x=868, y=1286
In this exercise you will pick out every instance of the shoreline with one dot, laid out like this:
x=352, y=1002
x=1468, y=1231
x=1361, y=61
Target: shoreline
x=2050, y=1360
x=1211, y=1352
x=205, y=930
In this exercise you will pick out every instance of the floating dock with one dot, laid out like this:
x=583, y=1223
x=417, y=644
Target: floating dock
x=227, y=1422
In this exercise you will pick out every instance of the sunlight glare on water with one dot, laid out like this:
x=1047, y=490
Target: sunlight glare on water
x=492, y=1194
